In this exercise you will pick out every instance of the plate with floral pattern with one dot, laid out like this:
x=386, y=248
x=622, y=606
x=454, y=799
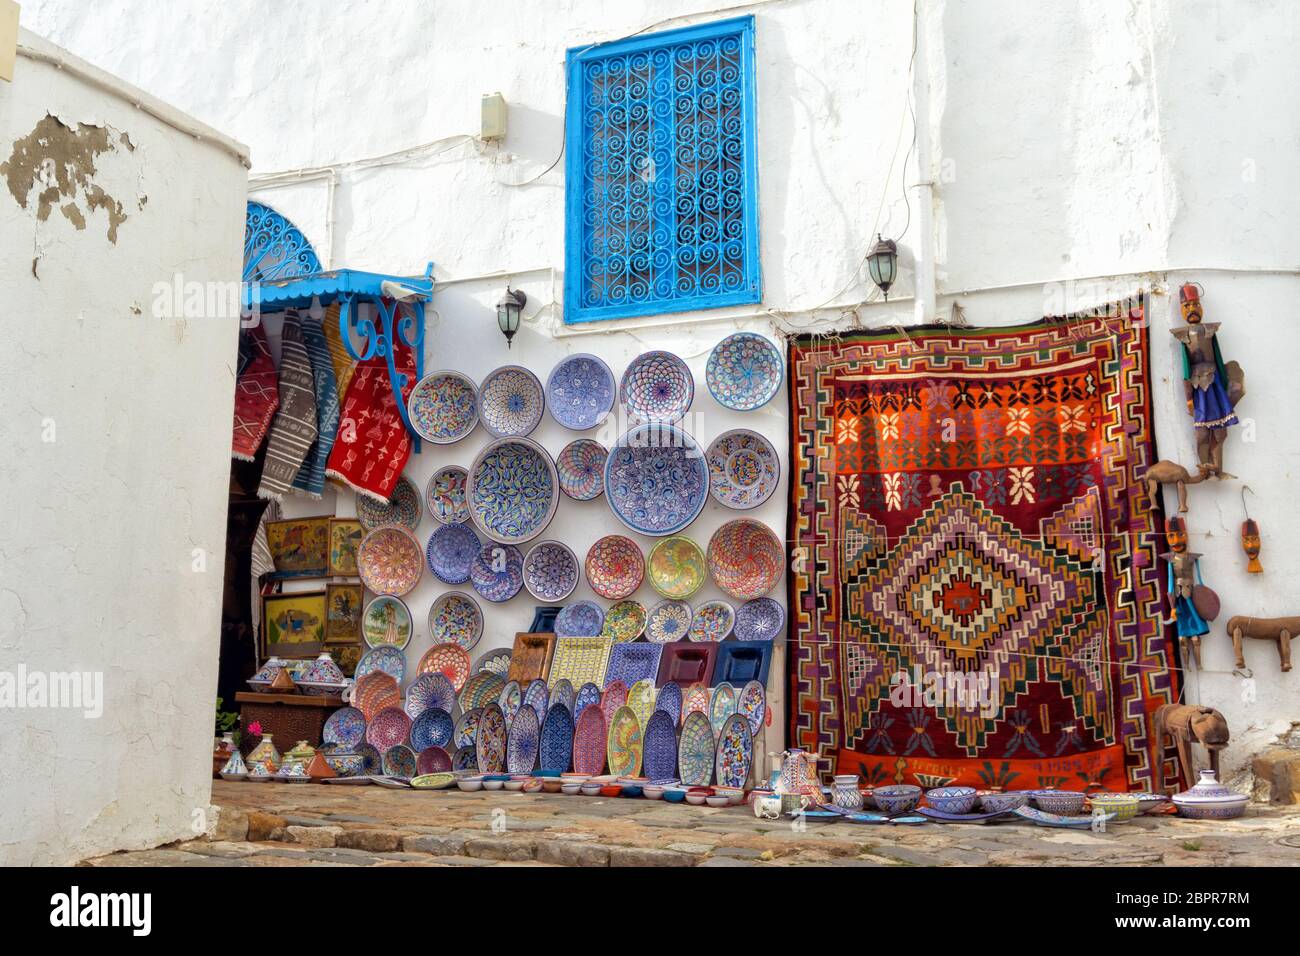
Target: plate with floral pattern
x=521, y=742
x=590, y=741
x=744, y=469
x=510, y=700
x=433, y=728
x=734, y=752
x=399, y=762
x=451, y=551
x=744, y=371
x=450, y=660
x=656, y=387
x=512, y=490
x=762, y=619
x=443, y=407
x=456, y=618
x=668, y=621
x=713, y=621
x=386, y=620
x=550, y=570
x=580, y=392
x=615, y=566
x=580, y=619
x=497, y=661
x=624, y=621
x=389, y=561
x=581, y=469
x=587, y=695
x=641, y=699
x=695, y=751
x=537, y=697
x=345, y=727
x=497, y=572
x=624, y=748
x=511, y=402
x=677, y=567
x=656, y=480
x=388, y=728
x=746, y=558
x=752, y=705
x=403, y=508
x=722, y=706
x=384, y=658
x=429, y=690
x=490, y=740
x=444, y=495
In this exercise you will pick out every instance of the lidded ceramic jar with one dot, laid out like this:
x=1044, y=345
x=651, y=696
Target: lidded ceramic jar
x=265, y=755
x=1210, y=800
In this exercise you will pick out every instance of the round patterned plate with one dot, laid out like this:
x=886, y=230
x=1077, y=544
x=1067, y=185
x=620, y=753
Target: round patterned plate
x=623, y=744
x=521, y=743
x=695, y=751
x=734, y=752
x=641, y=699
x=373, y=760
x=386, y=620
x=449, y=660
x=746, y=558
x=614, y=697
x=713, y=621
x=389, y=561
x=466, y=728
x=512, y=490
x=444, y=495
x=657, y=387
x=615, y=567
x=429, y=690
x=451, y=551
x=538, y=698
x=677, y=567
x=388, y=728
x=510, y=700
x=695, y=700
x=668, y=621
x=656, y=481
x=670, y=702
x=464, y=759
x=432, y=760
x=580, y=619
x=761, y=619
x=480, y=690
x=345, y=727
x=456, y=618
x=752, y=705
x=659, y=747
x=624, y=621
x=581, y=469
x=433, y=728
x=384, y=658
x=498, y=661
x=556, y=746
x=587, y=695
x=402, y=509
x=399, y=761
x=580, y=392
x=490, y=739
x=498, y=572
x=744, y=371
x=722, y=706
x=550, y=571
x=443, y=407
x=511, y=402
x=562, y=693
x=589, y=741
x=374, y=692
x=744, y=469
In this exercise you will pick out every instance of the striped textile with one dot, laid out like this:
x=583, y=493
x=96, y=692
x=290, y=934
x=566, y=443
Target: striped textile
x=294, y=427
x=310, y=480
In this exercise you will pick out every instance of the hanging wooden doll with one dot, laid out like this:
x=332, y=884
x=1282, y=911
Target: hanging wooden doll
x=1193, y=604
x=1250, y=536
x=1212, y=388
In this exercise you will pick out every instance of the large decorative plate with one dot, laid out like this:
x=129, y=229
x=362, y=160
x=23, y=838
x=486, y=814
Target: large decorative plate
x=386, y=620
x=581, y=469
x=388, y=728
x=480, y=690
x=624, y=621
x=433, y=728
x=656, y=481
x=614, y=697
x=373, y=760
x=451, y=551
x=641, y=699
x=429, y=690
x=762, y=619
x=556, y=747
x=657, y=387
x=510, y=700
x=389, y=561
x=521, y=744
x=722, y=706
x=623, y=745
x=511, y=402
x=490, y=740
x=562, y=693
x=550, y=571
x=589, y=741
x=345, y=727
x=375, y=692
x=512, y=490
x=498, y=661
x=443, y=407
x=713, y=621
x=615, y=567
x=744, y=469
x=432, y=760
x=456, y=618
x=402, y=509
x=449, y=660
x=384, y=658
x=696, y=699
x=744, y=371
x=752, y=705
x=669, y=621
x=538, y=698
x=580, y=619
x=735, y=752
x=746, y=558
x=399, y=761
x=578, y=660
x=695, y=751
x=580, y=392
x=632, y=662
x=669, y=701
x=464, y=759
x=466, y=729
x=677, y=567
x=659, y=747
x=444, y=495
x=497, y=572
x=587, y=695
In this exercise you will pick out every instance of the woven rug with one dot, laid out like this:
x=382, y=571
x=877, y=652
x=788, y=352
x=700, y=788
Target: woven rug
x=310, y=479
x=975, y=597
x=294, y=427
x=257, y=395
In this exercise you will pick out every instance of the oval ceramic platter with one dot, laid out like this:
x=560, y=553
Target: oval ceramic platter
x=623, y=750
x=761, y=619
x=456, y=618
x=695, y=751
x=669, y=701
x=677, y=567
x=752, y=705
x=580, y=392
x=613, y=697
x=656, y=387
x=402, y=509
x=444, y=495
x=429, y=690
x=734, y=752
x=386, y=620
x=589, y=741
x=744, y=371
x=556, y=746
x=581, y=469
x=668, y=621
x=641, y=699
x=443, y=407
x=562, y=693
x=538, y=698
x=450, y=552
x=511, y=699
x=624, y=621
x=490, y=740
x=511, y=402
x=512, y=490
x=497, y=572
x=746, y=558
x=656, y=481
x=389, y=561
x=550, y=571
x=659, y=747
x=713, y=621
x=722, y=706
x=587, y=695
x=521, y=744
x=744, y=469
x=614, y=567
x=696, y=699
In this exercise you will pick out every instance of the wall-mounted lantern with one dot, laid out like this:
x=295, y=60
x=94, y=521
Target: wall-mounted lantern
x=508, y=311
x=882, y=263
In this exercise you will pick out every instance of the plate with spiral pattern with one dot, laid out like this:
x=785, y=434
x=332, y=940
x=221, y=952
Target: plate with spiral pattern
x=677, y=567
x=615, y=567
x=744, y=371
x=403, y=508
x=581, y=469
x=624, y=748
x=511, y=402
x=656, y=387
x=497, y=572
x=746, y=558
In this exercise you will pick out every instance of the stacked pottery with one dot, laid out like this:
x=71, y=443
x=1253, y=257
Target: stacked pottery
x=1210, y=800
x=264, y=755
x=845, y=793
x=322, y=676
x=299, y=756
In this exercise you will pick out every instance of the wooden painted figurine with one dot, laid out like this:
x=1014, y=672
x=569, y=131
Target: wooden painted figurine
x=1277, y=629
x=1172, y=473
x=1184, y=723
x=1251, y=545
x=1183, y=574
x=1211, y=387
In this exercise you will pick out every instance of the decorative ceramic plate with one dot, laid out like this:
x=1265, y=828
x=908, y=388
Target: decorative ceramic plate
x=511, y=402
x=497, y=572
x=752, y=705
x=696, y=700
x=550, y=571
x=580, y=392
x=466, y=729
x=614, y=697
x=451, y=551
x=677, y=567
x=615, y=567
x=386, y=620
x=521, y=743
x=939, y=816
x=498, y=662
x=384, y=658
x=345, y=727
x=695, y=751
x=734, y=752
x=657, y=387
x=432, y=760
x=480, y=690
x=744, y=469
x=490, y=740
x=669, y=700
x=578, y=660
x=556, y=746
x=375, y=692
x=449, y=660
x=538, y=698
x=589, y=741
x=389, y=561
x=722, y=706
x=623, y=744
x=668, y=621
x=581, y=469
x=510, y=700
x=632, y=662
x=399, y=762
x=761, y=619
x=443, y=407
x=659, y=747
x=388, y=728
x=402, y=509
x=444, y=495
x=746, y=558
x=373, y=759
x=625, y=621
x=464, y=759
x=580, y=619
x=587, y=695
x=744, y=371
x=512, y=490
x=1045, y=819
x=713, y=621
x=433, y=728
x=641, y=699
x=456, y=618
x=429, y=690
x=656, y=481
x=562, y=693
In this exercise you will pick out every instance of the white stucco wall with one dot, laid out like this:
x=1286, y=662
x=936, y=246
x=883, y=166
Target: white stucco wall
x=116, y=466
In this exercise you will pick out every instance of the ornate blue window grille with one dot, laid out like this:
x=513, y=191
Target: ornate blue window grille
x=274, y=248
x=661, y=185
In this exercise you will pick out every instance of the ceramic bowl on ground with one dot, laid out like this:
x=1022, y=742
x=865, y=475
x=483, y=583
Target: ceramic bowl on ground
x=652, y=792
x=633, y=790
x=899, y=798
x=345, y=763
x=571, y=789
x=734, y=795
x=611, y=790
x=493, y=784
x=674, y=796
x=1125, y=806
x=995, y=801
x=1151, y=802
x=552, y=784
x=1064, y=803
x=696, y=799
x=532, y=786
x=951, y=799
x=591, y=789
x=718, y=800
x=469, y=784
x=514, y=785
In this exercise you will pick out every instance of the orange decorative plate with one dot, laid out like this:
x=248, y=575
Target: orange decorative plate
x=450, y=660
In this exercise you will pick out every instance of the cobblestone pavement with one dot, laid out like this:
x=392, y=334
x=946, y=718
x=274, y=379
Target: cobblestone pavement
x=272, y=824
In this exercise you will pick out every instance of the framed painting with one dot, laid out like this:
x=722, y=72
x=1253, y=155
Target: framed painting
x=343, y=613
x=293, y=625
x=300, y=547
x=345, y=538
x=347, y=656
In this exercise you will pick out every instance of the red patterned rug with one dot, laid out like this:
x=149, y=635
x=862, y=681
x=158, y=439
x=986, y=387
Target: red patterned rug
x=975, y=596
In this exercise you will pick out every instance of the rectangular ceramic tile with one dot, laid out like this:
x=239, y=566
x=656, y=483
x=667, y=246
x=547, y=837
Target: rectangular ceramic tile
x=687, y=663
x=633, y=661
x=580, y=659
x=739, y=662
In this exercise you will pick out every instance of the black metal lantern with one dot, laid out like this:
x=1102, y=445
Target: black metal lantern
x=882, y=262
x=508, y=310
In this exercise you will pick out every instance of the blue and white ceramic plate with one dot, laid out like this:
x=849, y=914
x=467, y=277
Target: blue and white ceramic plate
x=562, y=693
x=498, y=662
x=580, y=392
x=656, y=481
x=346, y=727
x=451, y=551
x=939, y=816
x=464, y=759
x=550, y=571
x=511, y=402
x=429, y=690
x=581, y=469
x=466, y=727
x=384, y=658
x=521, y=742
x=443, y=407
x=744, y=371
x=669, y=701
x=1045, y=819
x=556, y=745
x=761, y=619
x=587, y=695
x=744, y=469
x=433, y=728
x=580, y=619
x=669, y=621
x=632, y=661
x=512, y=490
x=657, y=387
x=659, y=747
x=497, y=572
x=537, y=697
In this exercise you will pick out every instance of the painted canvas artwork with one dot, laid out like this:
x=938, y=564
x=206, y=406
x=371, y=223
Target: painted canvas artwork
x=294, y=624
x=300, y=547
x=345, y=538
x=343, y=613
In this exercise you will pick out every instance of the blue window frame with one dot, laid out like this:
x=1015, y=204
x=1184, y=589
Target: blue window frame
x=661, y=188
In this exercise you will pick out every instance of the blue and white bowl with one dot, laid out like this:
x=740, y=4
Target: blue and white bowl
x=995, y=801
x=951, y=799
x=897, y=798
x=1062, y=802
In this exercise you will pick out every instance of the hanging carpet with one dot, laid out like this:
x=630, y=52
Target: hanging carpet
x=294, y=428
x=257, y=395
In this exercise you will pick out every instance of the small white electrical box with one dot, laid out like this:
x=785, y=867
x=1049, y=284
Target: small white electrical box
x=493, y=122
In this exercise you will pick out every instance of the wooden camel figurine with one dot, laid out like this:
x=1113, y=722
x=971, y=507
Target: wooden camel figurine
x=1186, y=723
x=1172, y=473
x=1276, y=629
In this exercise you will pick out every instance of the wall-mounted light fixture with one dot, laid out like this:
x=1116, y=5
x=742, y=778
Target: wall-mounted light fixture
x=882, y=263
x=508, y=311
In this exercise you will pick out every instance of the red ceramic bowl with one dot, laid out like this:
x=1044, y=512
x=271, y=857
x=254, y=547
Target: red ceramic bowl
x=613, y=790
